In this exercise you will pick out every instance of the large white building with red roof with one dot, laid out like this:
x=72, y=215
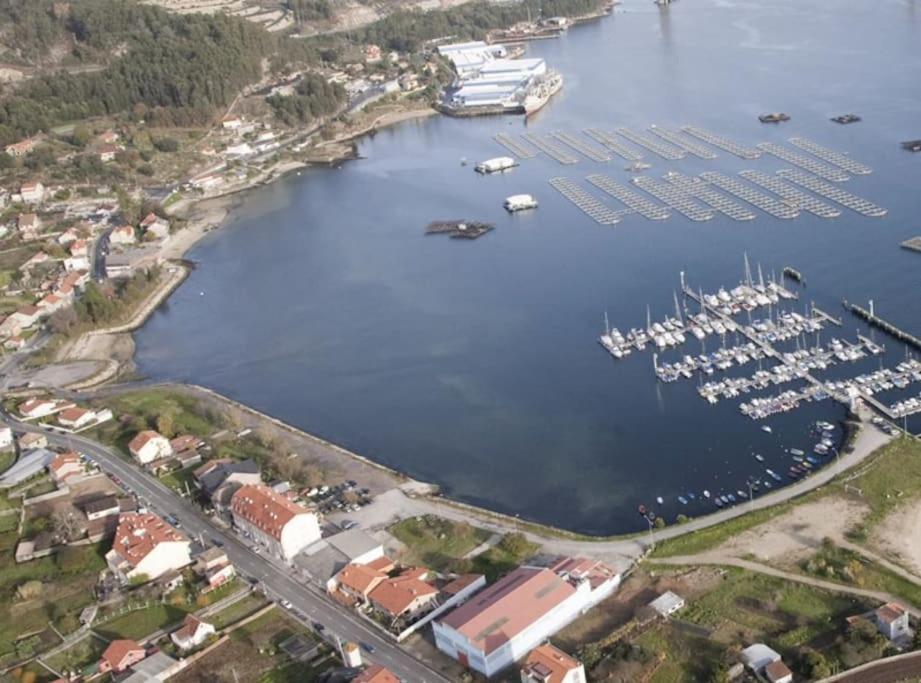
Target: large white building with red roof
x=501, y=624
x=149, y=445
x=146, y=545
x=275, y=522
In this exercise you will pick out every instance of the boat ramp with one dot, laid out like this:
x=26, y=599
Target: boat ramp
x=791, y=194
x=550, y=147
x=722, y=143
x=688, y=145
x=584, y=148
x=664, y=150
x=612, y=143
x=834, y=193
x=820, y=169
x=702, y=191
x=516, y=147
x=675, y=198
x=831, y=156
x=767, y=203
x=586, y=202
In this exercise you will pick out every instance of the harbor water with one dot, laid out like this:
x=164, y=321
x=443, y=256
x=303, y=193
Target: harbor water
x=474, y=364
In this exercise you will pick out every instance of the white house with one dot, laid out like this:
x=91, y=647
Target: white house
x=6, y=437
x=76, y=417
x=667, y=604
x=148, y=446
x=64, y=466
x=282, y=526
x=503, y=623
x=192, y=633
x=156, y=226
x=32, y=192
x=892, y=621
x=42, y=407
x=231, y=122
x=145, y=545
x=548, y=664
x=28, y=225
x=75, y=263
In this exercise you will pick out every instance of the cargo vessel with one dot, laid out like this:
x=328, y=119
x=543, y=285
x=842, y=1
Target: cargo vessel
x=495, y=165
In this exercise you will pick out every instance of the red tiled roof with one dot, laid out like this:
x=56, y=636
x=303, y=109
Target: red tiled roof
x=890, y=612
x=265, y=509
x=115, y=654
x=550, y=663
x=382, y=564
x=189, y=626
x=776, y=671
x=397, y=595
x=360, y=578
x=137, y=535
x=460, y=583
x=499, y=613
x=71, y=414
x=63, y=460
x=184, y=442
x=376, y=674
x=142, y=439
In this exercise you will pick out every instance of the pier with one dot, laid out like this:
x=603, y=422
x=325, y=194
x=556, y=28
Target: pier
x=613, y=144
x=913, y=244
x=831, y=156
x=746, y=193
x=664, y=150
x=722, y=143
x=887, y=327
x=791, y=194
x=519, y=149
x=550, y=148
x=826, y=316
x=834, y=193
x=635, y=201
x=698, y=188
x=815, y=167
x=586, y=202
x=690, y=146
x=592, y=153
x=678, y=200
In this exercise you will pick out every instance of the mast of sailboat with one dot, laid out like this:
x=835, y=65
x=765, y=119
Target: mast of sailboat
x=748, y=271
x=760, y=278
x=648, y=320
x=607, y=326
x=677, y=307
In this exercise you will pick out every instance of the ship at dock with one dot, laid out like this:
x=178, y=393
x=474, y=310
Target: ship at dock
x=540, y=92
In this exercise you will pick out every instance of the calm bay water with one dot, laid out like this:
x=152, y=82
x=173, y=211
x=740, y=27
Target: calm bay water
x=474, y=365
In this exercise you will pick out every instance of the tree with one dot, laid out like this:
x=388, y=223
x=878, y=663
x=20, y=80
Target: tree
x=515, y=544
x=165, y=425
x=63, y=320
x=814, y=664
x=659, y=523
x=81, y=136
x=66, y=525
x=166, y=144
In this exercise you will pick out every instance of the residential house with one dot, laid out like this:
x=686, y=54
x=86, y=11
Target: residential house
x=64, y=466
x=42, y=407
x=778, y=672
x=231, y=122
x=667, y=604
x=148, y=446
x=548, y=664
x=758, y=656
x=192, y=633
x=51, y=303
x=79, y=248
x=146, y=546
x=356, y=581
x=376, y=673
x=207, y=181
x=215, y=566
x=109, y=137
x=156, y=668
x=9, y=328
x=28, y=225
x=504, y=622
x=282, y=526
x=32, y=192
x=76, y=263
x=32, y=440
x=21, y=148
x=106, y=152
x=106, y=506
x=122, y=235
x=6, y=437
x=27, y=316
x=892, y=621
x=219, y=479
x=69, y=236
x=351, y=655
x=120, y=655
x=405, y=595
x=14, y=343
x=155, y=226
x=75, y=418
x=372, y=53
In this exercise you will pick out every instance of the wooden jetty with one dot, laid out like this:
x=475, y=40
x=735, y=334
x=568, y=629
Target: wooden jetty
x=613, y=143
x=724, y=144
x=700, y=189
x=586, y=202
x=635, y=201
x=887, y=327
x=664, y=150
x=519, y=149
x=913, y=244
x=818, y=312
x=549, y=147
x=834, y=193
x=681, y=142
x=677, y=199
x=825, y=171
x=591, y=152
x=831, y=156
x=791, y=194
x=759, y=200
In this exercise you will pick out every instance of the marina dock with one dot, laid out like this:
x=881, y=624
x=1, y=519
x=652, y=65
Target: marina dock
x=815, y=167
x=887, y=327
x=834, y=193
x=664, y=150
x=791, y=194
x=612, y=143
x=702, y=191
x=913, y=244
x=676, y=199
x=635, y=201
x=551, y=148
x=722, y=143
x=746, y=193
x=592, y=153
x=688, y=145
x=831, y=156
x=586, y=202
x=519, y=149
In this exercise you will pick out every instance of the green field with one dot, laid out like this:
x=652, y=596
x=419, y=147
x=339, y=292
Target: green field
x=238, y=610
x=138, y=624
x=435, y=542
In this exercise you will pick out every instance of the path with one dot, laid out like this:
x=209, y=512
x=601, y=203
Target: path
x=490, y=542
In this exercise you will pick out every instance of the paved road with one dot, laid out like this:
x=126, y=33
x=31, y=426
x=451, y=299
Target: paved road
x=278, y=581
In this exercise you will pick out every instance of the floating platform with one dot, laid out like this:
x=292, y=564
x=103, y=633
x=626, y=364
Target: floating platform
x=580, y=146
x=794, y=274
x=791, y=194
x=664, y=150
x=519, y=149
x=851, y=201
x=700, y=189
x=586, y=202
x=680, y=201
x=690, y=146
x=746, y=193
x=610, y=141
x=635, y=201
x=550, y=147
x=831, y=156
x=724, y=144
x=467, y=230
x=815, y=167
x=913, y=244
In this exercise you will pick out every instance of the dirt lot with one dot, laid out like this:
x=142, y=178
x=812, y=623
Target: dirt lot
x=80, y=494
x=787, y=539
x=900, y=535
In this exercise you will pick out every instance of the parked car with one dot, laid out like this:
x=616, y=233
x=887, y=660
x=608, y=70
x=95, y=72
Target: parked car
x=368, y=647
x=349, y=524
